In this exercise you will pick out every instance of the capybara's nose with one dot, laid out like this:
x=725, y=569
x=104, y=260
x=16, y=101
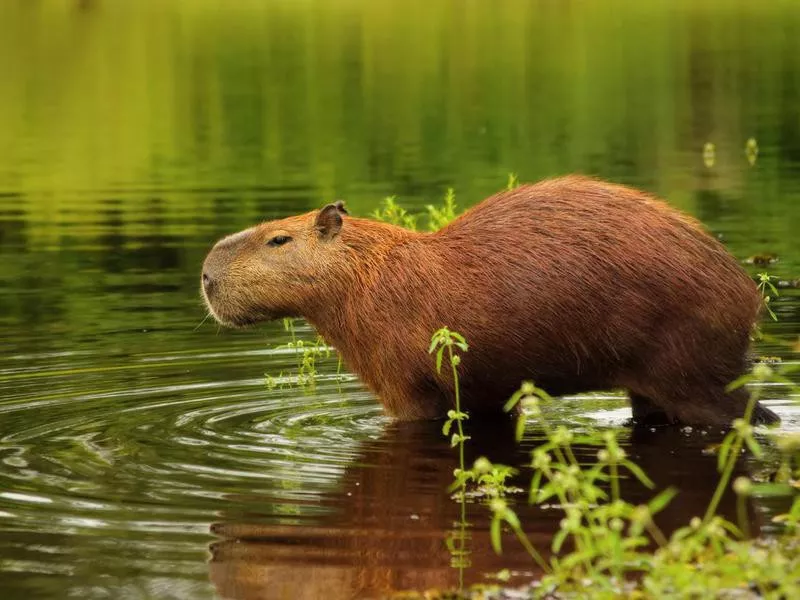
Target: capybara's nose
x=208, y=283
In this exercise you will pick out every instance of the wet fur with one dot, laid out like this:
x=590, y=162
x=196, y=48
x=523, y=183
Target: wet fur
x=573, y=283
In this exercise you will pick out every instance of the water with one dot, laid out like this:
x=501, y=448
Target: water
x=141, y=453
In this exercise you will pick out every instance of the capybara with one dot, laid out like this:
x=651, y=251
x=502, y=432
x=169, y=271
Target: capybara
x=573, y=283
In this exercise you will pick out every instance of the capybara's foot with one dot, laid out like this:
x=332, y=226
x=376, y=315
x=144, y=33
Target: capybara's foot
x=706, y=407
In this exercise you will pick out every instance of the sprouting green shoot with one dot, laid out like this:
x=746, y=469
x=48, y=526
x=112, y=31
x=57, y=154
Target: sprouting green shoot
x=768, y=291
x=512, y=182
x=391, y=212
x=439, y=216
x=448, y=342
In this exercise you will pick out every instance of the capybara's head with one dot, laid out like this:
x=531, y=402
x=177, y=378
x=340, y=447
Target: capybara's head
x=273, y=270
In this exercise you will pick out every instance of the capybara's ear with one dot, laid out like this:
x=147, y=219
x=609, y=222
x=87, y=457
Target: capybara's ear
x=329, y=221
x=339, y=204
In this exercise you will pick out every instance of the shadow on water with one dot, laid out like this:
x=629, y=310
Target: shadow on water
x=390, y=519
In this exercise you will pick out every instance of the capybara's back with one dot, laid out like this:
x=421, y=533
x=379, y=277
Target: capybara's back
x=580, y=284
x=573, y=283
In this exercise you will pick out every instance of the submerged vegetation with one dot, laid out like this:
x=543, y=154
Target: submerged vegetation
x=615, y=547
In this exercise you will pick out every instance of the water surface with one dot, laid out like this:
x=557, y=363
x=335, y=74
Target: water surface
x=142, y=455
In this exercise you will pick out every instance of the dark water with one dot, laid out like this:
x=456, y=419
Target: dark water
x=141, y=453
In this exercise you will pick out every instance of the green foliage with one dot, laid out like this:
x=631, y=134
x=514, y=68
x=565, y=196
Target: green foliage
x=308, y=355
x=607, y=543
x=439, y=216
x=768, y=291
x=391, y=212
x=609, y=537
x=709, y=154
x=751, y=151
x=448, y=342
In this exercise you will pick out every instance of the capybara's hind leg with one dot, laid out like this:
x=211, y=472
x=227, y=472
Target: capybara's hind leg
x=647, y=413
x=715, y=406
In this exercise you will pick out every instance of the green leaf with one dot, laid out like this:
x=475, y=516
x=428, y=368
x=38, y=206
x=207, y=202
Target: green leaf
x=635, y=542
x=661, y=500
x=439, y=359
x=731, y=528
x=457, y=336
x=558, y=539
x=535, y=482
x=512, y=402
x=786, y=380
x=639, y=474
x=511, y=517
x=753, y=446
x=765, y=490
x=724, y=450
x=739, y=382
x=520, y=430
x=446, y=427
x=434, y=343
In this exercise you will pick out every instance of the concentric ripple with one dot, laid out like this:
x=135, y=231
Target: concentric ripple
x=126, y=458
x=156, y=447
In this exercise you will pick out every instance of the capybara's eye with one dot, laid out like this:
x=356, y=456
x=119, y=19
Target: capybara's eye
x=279, y=240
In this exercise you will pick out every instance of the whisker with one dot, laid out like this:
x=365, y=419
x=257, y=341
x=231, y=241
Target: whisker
x=208, y=314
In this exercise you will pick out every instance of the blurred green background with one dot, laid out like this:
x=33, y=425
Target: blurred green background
x=135, y=134
x=156, y=126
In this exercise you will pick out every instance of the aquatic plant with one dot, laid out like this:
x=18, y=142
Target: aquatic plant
x=391, y=212
x=513, y=181
x=439, y=216
x=615, y=546
x=768, y=291
x=751, y=151
x=308, y=355
x=449, y=342
x=709, y=154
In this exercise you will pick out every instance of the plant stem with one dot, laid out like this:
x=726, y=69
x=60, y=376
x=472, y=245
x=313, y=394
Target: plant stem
x=741, y=515
x=733, y=456
x=458, y=420
x=462, y=539
x=612, y=465
x=526, y=543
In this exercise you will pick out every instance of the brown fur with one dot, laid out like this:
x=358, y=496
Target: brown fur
x=573, y=283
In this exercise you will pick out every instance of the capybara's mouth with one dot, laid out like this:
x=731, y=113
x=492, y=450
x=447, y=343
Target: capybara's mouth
x=243, y=322
x=240, y=320
x=223, y=316
x=236, y=321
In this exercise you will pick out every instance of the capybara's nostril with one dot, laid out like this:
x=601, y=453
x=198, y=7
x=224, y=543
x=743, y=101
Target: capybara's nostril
x=207, y=282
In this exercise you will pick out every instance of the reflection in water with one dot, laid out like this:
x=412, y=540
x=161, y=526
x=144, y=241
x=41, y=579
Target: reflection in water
x=389, y=522
x=135, y=134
